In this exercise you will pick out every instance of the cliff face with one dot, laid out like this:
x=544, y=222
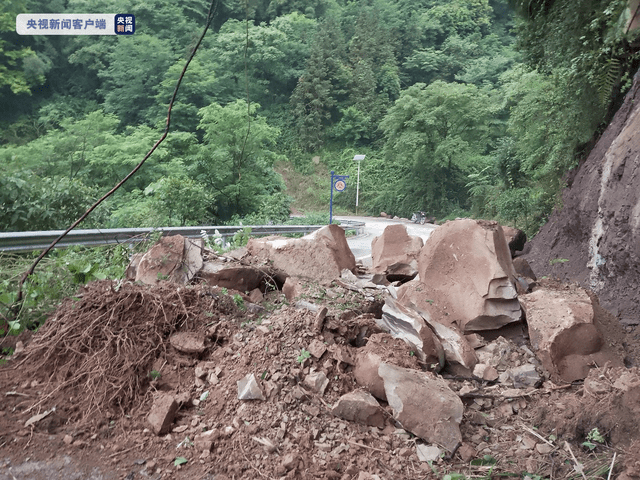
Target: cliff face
x=595, y=238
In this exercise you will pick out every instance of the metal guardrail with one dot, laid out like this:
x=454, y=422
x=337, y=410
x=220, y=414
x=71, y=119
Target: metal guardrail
x=28, y=241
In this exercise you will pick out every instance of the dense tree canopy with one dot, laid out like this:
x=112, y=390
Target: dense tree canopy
x=461, y=106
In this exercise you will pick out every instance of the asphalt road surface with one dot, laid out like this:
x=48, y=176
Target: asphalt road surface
x=374, y=226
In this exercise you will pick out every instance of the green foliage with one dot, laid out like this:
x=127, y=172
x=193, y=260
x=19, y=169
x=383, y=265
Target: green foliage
x=235, y=160
x=29, y=202
x=433, y=134
x=432, y=91
x=239, y=301
x=241, y=237
x=324, y=81
x=57, y=277
x=136, y=66
x=20, y=67
x=182, y=201
x=304, y=354
x=594, y=437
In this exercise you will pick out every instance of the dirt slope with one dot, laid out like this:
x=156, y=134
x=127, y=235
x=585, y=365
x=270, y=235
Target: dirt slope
x=595, y=238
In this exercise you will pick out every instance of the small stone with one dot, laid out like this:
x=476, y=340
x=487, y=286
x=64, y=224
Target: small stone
x=68, y=439
x=325, y=447
x=187, y=342
x=248, y=388
x=359, y=406
x=528, y=443
x=256, y=296
x=405, y=452
x=505, y=409
x=290, y=461
x=204, y=441
x=200, y=371
x=317, y=348
x=317, y=381
x=467, y=452
x=525, y=376
x=213, y=379
x=544, y=448
x=319, y=321
x=162, y=413
x=428, y=453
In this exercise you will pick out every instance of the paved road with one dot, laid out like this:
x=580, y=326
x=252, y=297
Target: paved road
x=374, y=226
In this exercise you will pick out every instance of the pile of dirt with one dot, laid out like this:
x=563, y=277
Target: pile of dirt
x=104, y=341
x=101, y=360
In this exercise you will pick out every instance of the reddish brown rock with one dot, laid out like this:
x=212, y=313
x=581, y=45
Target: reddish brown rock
x=256, y=296
x=515, y=239
x=204, y=441
x=162, y=413
x=409, y=392
x=523, y=269
x=161, y=260
x=187, y=342
x=408, y=325
x=319, y=257
x=242, y=279
x=291, y=289
x=360, y=407
x=132, y=268
x=366, y=373
x=467, y=278
x=380, y=348
x=562, y=332
x=395, y=251
x=457, y=349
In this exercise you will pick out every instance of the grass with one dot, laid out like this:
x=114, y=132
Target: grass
x=56, y=277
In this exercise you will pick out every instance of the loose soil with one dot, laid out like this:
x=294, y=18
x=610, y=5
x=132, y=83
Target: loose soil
x=93, y=362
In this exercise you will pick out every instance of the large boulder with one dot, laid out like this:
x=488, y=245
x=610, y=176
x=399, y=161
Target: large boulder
x=320, y=256
x=395, y=252
x=516, y=239
x=466, y=277
x=173, y=258
x=243, y=279
x=380, y=348
x=359, y=406
x=563, y=333
x=423, y=404
x=405, y=324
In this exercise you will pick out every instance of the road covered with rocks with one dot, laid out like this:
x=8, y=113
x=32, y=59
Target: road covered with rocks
x=288, y=359
x=374, y=226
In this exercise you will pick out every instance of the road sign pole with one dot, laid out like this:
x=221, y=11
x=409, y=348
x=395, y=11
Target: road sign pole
x=358, y=158
x=331, y=201
x=358, y=188
x=339, y=183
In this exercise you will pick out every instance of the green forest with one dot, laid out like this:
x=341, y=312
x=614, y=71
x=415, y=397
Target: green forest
x=462, y=108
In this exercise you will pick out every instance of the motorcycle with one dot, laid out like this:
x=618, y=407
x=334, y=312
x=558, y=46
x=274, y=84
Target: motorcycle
x=419, y=217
